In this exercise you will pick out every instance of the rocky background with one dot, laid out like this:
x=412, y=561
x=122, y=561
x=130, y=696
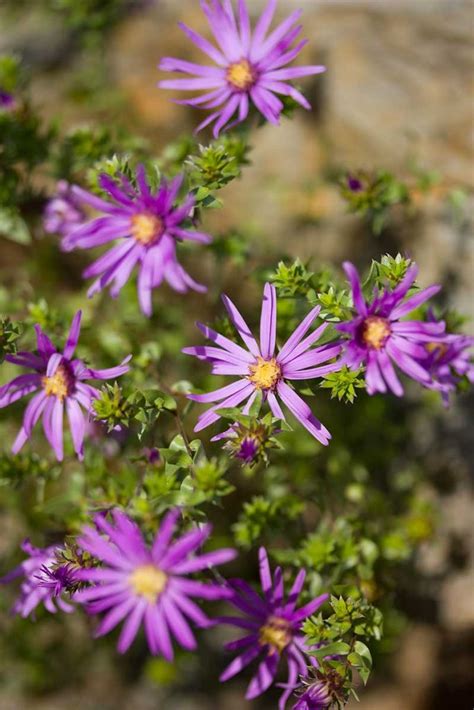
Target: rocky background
x=398, y=93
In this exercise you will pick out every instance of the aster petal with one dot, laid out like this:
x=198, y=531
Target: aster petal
x=216, y=355
x=77, y=424
x=264, y=677
x=151, y=631
x=402, y=289
x=373, y=377
x=115, y=616
x=407, y=364
x=303, y=413
x=184, y=546
x=110, y=259
x=225, y=343
x=224, y=32
x=199, y=589
x=53, y=364
x=278, y=34
x=178, y=624
x=295, y=591
x=164, y=534
x=211, y=416
x=261, y=28
x=18, y=388
x=191, y=84
x=238, y=644
x=219, y=394
x=179, y=65
x=226, y=114
x=206, y=561
x=268, y=322
x=44, y=344
x=295, y=338
x=417, y=330
x=291, y=682
x=389, y=374
x=204, y=45
x=311, y=358
x=109, y=373
x=282, y=55
x=31, y=416
x=240, y=662
x=73, y=336
x=241, y=326
x=190, y=609
x=314, y=372
x=264, y=570
x=279, y=87
x=274, y=406
x=269, y=106
x=25, y=359
x=413, y=349
x=163, y=633
x=305, y=611
x=245, y=28
x=189, y=235
x=294, y=73
x=131, y=626
x=414, y=302
x=93, y=201
x=356, y=287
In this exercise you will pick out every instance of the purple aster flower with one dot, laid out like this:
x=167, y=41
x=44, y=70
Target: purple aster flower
x=61, y=381
x=447, y=362
x=63, y=213
x=379, y=338
x=35, y=570
x=147, y=227
x=248, y=67
x=259, y=369
x=273, y=627
x=148, y=586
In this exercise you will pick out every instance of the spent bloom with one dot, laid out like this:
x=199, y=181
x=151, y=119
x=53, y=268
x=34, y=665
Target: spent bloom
x=378, y=337
x=63, y=212
x=62, y=383
x=148, y=586
x=38, y=572
x=248, y=67
x=261, y=370
x=273, y=627
x=147, y=228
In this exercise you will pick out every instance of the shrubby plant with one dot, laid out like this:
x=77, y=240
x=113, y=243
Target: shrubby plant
x=332, y=513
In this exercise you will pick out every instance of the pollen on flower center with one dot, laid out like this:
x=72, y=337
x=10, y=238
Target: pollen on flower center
x=375, y=331
x=146, y=228
x=276, y=633
x=148, y=581
x=265, y=374
x=58, y=385
x=241, y=75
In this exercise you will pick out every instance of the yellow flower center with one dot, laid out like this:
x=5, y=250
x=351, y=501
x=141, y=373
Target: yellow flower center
x=276, y=633
x=59, y=384
x=148, y=581
x=241, y=75
x=437, y=349
x=375, y=331
x=146, y=228
x=265, y=374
